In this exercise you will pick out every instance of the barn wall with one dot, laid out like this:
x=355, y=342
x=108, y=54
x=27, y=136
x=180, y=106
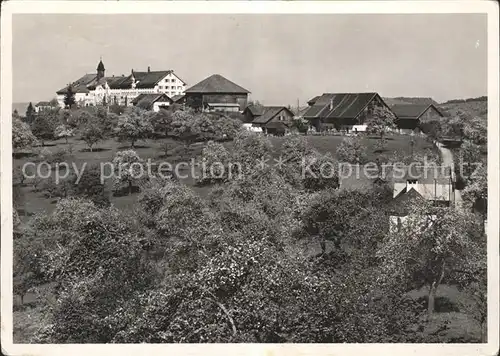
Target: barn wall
x=430, y=114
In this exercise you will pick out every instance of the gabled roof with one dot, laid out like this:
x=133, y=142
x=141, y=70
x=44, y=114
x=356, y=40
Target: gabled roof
x=399, y=205
x=80, y=85
x=412, y=111
x=422, y=174
x=268, y=113
x=43, y=103
x=339, y=105
x=217, y=84
x=255, y=110
x=151, y=78
x=177, y=98
x=90, y=82
x=147, y=100
x=402, y=100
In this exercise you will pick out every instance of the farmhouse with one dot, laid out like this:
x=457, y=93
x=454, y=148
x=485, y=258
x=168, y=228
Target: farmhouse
x=152, y=101
x=96, y=88
x=409, y=116
x=343, y=111
x=272, y=119
x=43, y=105
x=415, y=184
x=216, y=93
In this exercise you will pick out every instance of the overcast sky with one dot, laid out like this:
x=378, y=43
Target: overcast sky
x=279, y=58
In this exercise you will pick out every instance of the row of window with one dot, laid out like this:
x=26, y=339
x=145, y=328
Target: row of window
x=163, y=87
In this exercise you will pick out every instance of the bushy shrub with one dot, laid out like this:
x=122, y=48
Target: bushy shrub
x=351, y=150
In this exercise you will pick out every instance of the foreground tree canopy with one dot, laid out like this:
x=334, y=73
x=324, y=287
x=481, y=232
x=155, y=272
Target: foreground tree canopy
x=267, y=256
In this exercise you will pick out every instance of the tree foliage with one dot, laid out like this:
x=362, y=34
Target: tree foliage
x=21, y=134
x=133, y=126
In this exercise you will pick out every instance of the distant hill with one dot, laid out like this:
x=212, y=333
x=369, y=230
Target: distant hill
x=20, y=107
x=459, y=101
x=401, y=100
x=472, y=108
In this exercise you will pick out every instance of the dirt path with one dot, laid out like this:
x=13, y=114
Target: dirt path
x=447, y=156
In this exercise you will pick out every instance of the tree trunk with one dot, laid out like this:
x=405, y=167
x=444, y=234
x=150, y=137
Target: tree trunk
x=90, y=147
x=431, y=299
x=129, y=187
x=132, y=144
x=22, y=299
x=432, y=291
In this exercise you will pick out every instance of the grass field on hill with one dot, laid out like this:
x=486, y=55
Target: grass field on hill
x=35, y=202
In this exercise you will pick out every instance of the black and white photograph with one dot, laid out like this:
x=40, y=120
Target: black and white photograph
x=254, y=173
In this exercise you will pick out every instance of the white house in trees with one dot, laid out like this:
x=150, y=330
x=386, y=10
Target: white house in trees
x=96, y=88
x=418, y=184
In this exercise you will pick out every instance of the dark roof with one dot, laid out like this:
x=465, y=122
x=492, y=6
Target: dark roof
x=216, y=84
x=268, y=113
x=90, y=81
x=255, y=110
x=147, y=100
x=411, y=111
x=401, y=100
x=80, y=85
x=177, y=98
x=422, y=174
x=313, y=100
x=399, y=205
x=150, y=79
x=335, y=105
x=43, y=103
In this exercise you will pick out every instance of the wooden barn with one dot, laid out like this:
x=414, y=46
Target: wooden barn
x=275, y=120
x=410, y=116
x=343, y=111
x=153, y=102
x=216, y=93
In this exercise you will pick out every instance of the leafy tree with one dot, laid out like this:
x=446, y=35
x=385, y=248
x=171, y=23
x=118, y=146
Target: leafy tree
x=162, y=121
x=430, y=247
x=470, y=158
x=91, y=132
x=64, y=131
x=30, y=114
x=21, y=134
x=335, y=213
x=320, y=172
x=133, y=126
x=90, y=186
x=128, y=168
x=215, y=160
x=475, y=194
x=380, y=121
x=301, y=124
x=69, y=97
x=351, y=150
x=96, y=256
x=476, y=130
x=54, y=103
x=432, y=128
x=44, y=125
x=475, y=293
x=183, y=128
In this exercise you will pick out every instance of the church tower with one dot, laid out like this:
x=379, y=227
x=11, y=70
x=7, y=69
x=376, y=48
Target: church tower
x=100, y=70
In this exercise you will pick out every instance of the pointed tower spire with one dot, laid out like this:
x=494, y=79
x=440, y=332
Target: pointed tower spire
x=100, y=69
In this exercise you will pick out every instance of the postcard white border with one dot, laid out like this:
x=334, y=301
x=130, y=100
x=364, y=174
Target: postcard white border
x=236, y=7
